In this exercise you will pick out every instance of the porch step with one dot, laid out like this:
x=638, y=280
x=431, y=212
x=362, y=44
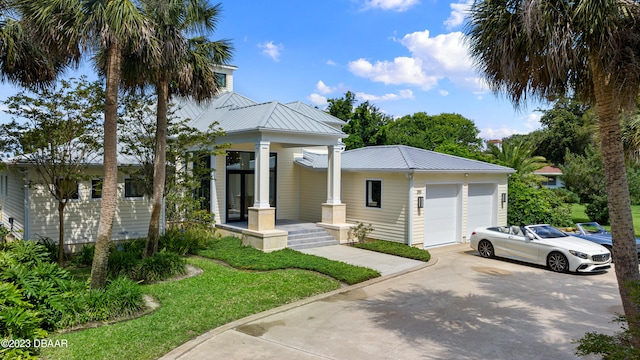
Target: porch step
x=310, y=238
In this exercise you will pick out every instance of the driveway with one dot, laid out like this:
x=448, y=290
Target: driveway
x=461, y=307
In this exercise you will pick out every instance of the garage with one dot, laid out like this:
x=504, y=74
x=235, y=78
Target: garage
x=480, y=206
x=441, y=214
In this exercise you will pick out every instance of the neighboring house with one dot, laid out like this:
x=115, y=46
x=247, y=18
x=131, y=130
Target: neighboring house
x=553, y=177
x=29, y=211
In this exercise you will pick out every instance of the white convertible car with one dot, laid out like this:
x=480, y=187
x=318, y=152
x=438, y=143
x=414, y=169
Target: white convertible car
x=542, y=245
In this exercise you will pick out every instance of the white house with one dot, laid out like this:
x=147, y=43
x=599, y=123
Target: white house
x=287, y=164
x=553, y=177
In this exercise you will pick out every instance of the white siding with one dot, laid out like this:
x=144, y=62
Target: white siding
x=12, y=198
x=82, y=216
x=313, y=193
x=389, y=221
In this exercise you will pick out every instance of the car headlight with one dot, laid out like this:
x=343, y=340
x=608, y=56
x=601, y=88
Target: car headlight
x=579, y=254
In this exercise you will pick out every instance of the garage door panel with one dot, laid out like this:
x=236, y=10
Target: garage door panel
x=441, y=214
x=480, y=206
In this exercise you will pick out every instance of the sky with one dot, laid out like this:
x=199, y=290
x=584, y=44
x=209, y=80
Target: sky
x=403, y=56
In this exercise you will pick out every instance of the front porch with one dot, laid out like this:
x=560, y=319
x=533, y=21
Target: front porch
x=299, y=235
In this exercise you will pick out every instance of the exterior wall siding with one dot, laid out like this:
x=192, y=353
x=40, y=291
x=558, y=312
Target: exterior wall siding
x=82, y=216
x=12, y=202
x=390, y=220
x=313, y=193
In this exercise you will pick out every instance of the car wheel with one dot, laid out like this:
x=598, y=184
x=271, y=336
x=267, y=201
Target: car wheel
x=485, y=249
x=557, y=262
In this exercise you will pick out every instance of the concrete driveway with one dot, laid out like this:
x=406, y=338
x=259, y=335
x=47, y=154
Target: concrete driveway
x=461, y=307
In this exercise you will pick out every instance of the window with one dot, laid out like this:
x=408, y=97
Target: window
x=374, y=193
x=133, y=188
x=550, y=181
x=221, y=80
x=68, y=189
x=96, y=189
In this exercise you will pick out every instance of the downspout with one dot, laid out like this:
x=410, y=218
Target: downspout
x=410, y=212
x=27, y=207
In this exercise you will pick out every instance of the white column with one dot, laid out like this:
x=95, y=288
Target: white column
x=261, y=194
x=334, y=174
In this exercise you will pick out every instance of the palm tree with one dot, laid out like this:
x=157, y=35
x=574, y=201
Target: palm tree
x=185, y=68
x=71, y=28
x=518, y=155
x=549, y=48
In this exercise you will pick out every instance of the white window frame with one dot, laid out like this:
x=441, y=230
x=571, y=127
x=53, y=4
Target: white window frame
x=367, y=200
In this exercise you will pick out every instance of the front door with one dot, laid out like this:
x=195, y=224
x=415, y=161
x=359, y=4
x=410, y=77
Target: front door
x=240, y=181
x=240, y=187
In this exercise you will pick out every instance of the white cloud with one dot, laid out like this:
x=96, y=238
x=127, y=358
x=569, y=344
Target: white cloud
x=497, y=134
x=323, y=88
x=432, y=59
x=458, y=13
x=317, y=99
x=402, y=94
x=530, y=122
x=271, y=50
x=331, y=63
x=443, y=92
x=402, y=70
x=393, y=5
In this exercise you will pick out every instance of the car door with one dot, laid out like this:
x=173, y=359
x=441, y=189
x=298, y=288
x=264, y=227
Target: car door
x=521, y=247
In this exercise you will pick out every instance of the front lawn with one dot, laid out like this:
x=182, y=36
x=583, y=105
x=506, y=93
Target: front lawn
x=578, y=215
x=219, y=295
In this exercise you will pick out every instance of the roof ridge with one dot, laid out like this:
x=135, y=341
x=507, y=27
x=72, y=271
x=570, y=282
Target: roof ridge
x=405, y=155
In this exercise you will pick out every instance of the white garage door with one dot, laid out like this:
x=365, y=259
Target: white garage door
x=441, y=214
x=480, y=206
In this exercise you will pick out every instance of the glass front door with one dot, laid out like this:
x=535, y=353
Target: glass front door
x=241, y=184
x=240, y=187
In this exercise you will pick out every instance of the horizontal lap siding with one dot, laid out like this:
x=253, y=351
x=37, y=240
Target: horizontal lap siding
x=313, y=193
x=389, y=221
x=287, y=182
x=82, y=216
x=12, y=201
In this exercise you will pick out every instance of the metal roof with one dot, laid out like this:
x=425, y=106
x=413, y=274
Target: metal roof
x=271, y=116
x=315, y=113
x=402, y=158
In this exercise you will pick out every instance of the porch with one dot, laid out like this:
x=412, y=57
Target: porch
x=299, y=235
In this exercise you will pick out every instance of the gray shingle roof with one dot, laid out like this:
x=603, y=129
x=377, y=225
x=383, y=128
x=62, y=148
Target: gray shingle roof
x=402, y=158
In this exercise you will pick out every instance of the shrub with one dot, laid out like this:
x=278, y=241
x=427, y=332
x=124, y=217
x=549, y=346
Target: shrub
x=598, y=209
x=185, y=241
x=397, y=249
x=360, y=232
x=85, y=255
x=531, y=204
x=567, y=196
x=162, y=265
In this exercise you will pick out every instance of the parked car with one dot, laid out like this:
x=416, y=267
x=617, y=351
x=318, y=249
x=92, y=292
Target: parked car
x=542, y=245
x=593, y=231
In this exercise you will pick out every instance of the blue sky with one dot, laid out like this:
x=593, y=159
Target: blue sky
x=404, y=56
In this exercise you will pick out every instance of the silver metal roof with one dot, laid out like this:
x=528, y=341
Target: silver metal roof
x=402, y=158
x=315, y=113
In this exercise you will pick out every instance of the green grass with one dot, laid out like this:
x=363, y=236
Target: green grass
x=189, y=308
x=231, y=251
x=395, y=248
x=578, y=215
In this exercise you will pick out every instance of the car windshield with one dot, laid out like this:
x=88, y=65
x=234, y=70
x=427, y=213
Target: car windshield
x=593, y=228
x=547, y=232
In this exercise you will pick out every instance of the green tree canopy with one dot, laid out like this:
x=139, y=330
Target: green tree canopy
x=431, y=131
x=365, y=124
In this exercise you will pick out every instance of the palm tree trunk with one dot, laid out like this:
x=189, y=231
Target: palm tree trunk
x=61, y=206
x=159, y=167
x=109, y=182
x=624, y=243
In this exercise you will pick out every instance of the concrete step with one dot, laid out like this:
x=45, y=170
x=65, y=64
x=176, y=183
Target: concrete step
x=310, y=238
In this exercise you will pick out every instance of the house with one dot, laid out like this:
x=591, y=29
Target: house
x=29, y=211
x=553, y=177
x=287, y=163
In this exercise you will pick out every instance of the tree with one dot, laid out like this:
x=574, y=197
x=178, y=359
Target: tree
x=568, y=125
x=518, y=155
x=430, y=132
x=584, y=176
x=115, y=28
x=550, y=48
x=59, y=138
x=365, y=124
x=185, y=67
